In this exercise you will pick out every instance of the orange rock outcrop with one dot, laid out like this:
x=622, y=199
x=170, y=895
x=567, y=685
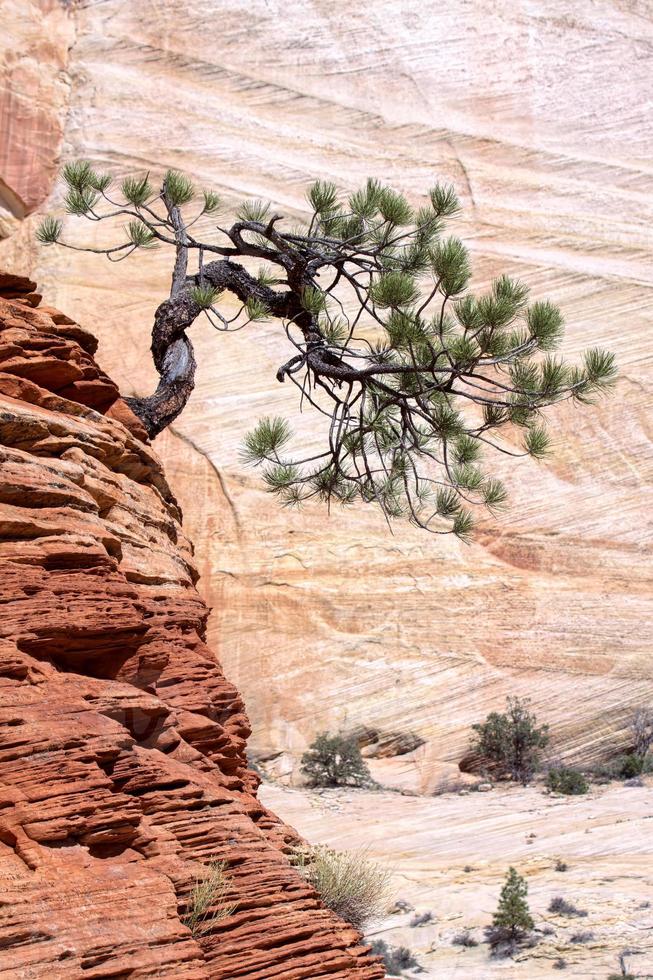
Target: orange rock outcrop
x=122, y=745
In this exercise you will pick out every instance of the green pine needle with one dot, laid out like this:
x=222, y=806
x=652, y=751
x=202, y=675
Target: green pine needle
x=463, y=525
x=494, y=494
x=256, y=309
x=80, y=202
x=394, y=289
x=394, y=208
x=178, y=188
x=49, y=230
x=313, y=300
x=450, y=261
x=545, y=324
x=137, y=190
x=205, y=296
x=447, y=502
x=140, y=235
x=212, y=202
x=537, y=442
x=466, y=450
x=280, y=477
x=322, y=196
x=444, y=200
x=254, y=210
x=600, y=368
x=266, y=439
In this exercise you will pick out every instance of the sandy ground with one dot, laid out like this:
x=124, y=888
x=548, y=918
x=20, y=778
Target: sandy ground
x=450, y=853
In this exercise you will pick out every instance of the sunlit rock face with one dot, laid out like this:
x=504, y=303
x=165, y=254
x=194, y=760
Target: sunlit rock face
x=537, y=114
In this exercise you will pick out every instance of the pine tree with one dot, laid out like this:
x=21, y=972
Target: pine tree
x=417, y=377
x=512, y=918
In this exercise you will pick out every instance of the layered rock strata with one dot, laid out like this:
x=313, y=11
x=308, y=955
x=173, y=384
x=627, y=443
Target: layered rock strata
x=122, y=746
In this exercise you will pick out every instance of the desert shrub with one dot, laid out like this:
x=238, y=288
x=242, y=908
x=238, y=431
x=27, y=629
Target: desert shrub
x=582, y=937
x=560, y=964
x=348, y=883
x=561, y=865
x=422, y=920
x=512, y=741
x=464, y=938
x=547, y=930
x=396, y=959
x=625, y=766
x=631, y=765
x=560, y=906
x=207, y=899
x=335, y=760
x=570, y=782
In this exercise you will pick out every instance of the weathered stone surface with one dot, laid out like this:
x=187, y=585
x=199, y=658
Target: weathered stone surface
x=537, y=112
x=122, y=746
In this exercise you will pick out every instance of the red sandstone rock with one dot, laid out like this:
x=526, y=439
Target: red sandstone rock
x=122, y=746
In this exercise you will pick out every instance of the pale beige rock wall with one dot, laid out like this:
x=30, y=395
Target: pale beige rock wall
x=538, y=112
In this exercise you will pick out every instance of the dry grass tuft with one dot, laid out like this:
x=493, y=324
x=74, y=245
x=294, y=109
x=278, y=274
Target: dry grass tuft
x=348, y=883
x=207, y=899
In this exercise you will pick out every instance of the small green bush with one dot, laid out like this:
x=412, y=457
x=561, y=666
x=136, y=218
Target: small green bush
x=335, y=760
x=570, y=782
x=348, y=883
x=631, y=765
x=512, y=741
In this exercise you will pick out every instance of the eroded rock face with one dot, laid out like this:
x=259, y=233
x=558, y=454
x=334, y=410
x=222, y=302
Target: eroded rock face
x=122, y=746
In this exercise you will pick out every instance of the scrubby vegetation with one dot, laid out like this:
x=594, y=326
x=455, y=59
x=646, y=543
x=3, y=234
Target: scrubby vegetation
x=207, y=901
x=422, y=920
x=569, y=782
x=335, y=760
x=512, y=741
x=349, y=883
x=560, y=906
x=465, y=939
x=396, y=959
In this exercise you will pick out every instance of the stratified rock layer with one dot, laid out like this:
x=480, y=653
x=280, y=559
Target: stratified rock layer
x=122, y=746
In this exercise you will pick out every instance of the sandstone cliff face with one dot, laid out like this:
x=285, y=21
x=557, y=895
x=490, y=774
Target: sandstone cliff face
x=537, y=112
x=122, y=746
